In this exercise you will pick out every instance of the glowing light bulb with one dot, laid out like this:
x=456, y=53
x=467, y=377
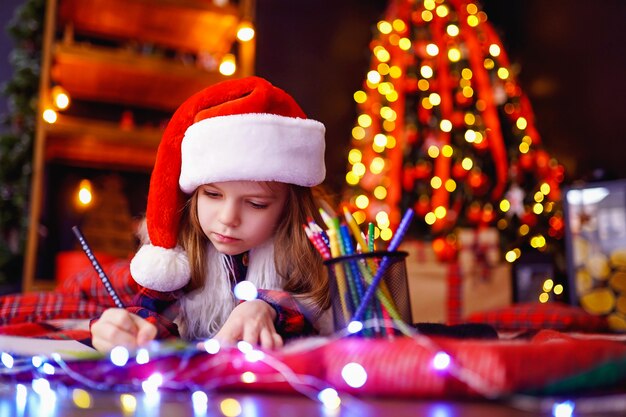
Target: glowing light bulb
x=41, y=386
x=244, y=347
x=255, y=356
x=426, y=71
x=152, y=384
x=355, y=327
x=248, y=377
x=50, y=116
x=354, y=374
x=445, y=125
x=37, y=361
x=564, y=409
x=228, y=66
x=441, y=361
x=329, y=398
x=84, y=195
x=129, y=403
x=384, y=27
x=245, y=291
x=7, y=360
x=362, y=201
x=119, y=355
x=230, y=407
x=432, y=49
x=60, y=97
x=452, y=30
x=454, y=55
x=360, y=96
x=373, y=77
x=245, y=33
x=81, y=398
x=200, y=403
x=547, y=285
x=212, y=346
x=47, y=369
x=382, y=219
x=143, y=356
x=364, y=120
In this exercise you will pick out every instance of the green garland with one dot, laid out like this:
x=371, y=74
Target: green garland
x=17, y=135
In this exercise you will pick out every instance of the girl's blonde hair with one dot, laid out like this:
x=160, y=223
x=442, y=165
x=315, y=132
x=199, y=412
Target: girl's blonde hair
x=295, y=258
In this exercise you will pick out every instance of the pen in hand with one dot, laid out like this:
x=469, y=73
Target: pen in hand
x=101, y=274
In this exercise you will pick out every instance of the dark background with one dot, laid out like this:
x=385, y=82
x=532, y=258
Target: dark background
x=570, y=54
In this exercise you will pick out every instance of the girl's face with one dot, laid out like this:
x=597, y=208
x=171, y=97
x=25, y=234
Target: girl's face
x=237, y=216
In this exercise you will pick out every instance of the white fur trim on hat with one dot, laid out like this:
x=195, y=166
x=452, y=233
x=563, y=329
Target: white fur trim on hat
x=254, y=147
x=160, y=269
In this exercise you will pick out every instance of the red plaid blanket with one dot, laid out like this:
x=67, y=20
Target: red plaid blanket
x=57, y=314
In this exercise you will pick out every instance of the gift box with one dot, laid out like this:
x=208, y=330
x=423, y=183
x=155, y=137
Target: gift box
x=478, y=250
x=448, y=292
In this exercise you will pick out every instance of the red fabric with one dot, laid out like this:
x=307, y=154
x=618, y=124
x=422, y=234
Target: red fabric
x=80, y=297
x=454, y=294
x=83, y=296
x=398, y=368
x=403, y=367
x=537, y=316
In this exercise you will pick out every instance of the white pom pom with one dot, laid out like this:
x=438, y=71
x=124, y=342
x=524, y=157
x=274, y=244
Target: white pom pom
x=160, y=269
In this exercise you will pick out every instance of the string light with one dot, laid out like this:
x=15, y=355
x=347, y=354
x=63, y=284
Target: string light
x=50, y=116
x=119, y=356
x=245, y=291
x=354, y=374
x=441, y=361
x=143, y=356
x=245, y=32
x=7, y=360
x=355, y=327
x=329, y=398
x=60, y=97
x=84, y=195
x=228, y=65
x=212, y=346
x=200, y=402
x=563, y=409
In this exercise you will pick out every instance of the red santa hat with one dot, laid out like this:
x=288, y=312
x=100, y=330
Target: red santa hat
x=243, y=129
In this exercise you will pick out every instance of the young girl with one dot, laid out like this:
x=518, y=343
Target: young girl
x=230, y=191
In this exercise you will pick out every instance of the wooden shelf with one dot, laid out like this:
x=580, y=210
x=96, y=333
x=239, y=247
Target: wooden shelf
x=124, y=77
x=101, y=144
x=186, y=25
x=114, y=55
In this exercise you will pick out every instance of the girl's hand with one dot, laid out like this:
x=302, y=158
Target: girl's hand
x=118, y=327
x=253, y=322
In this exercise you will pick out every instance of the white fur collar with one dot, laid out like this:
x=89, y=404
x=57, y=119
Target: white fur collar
x=204, y=311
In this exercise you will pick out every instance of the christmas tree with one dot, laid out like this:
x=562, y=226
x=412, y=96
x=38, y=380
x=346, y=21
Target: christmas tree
x=444, y=128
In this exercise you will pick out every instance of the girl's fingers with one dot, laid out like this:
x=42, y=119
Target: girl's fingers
x=118, y=327
x=266, y=339
x=278, y=340
x=251, y=333
x=146, y=331
x=121, y=319
x=106, y=336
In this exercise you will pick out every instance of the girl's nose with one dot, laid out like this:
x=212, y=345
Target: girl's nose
x=229, y=214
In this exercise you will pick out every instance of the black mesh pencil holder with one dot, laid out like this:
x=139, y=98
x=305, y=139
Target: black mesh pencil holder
x=350, y=277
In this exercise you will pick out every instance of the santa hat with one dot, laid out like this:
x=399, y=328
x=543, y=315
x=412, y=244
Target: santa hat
x=243, y=129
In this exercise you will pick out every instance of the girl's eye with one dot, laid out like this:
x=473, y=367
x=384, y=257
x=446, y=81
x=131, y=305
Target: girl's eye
x=259, y=206
x=212, y=194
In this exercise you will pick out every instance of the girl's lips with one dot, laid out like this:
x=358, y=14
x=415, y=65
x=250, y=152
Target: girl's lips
x=224, y=239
